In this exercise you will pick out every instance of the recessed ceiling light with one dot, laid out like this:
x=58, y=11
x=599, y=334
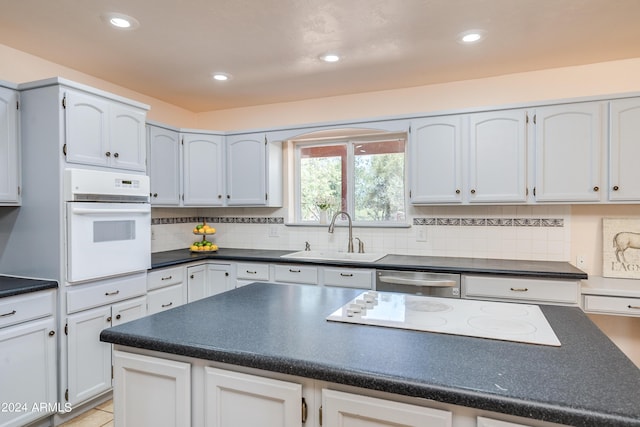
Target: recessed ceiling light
x=221, y=77
x=471, y=36
x=330, y=57
x=121, y=21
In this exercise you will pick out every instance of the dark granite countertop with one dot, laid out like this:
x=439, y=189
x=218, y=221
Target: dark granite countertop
x=587, y=381
x=537, y=269
x=10, y=285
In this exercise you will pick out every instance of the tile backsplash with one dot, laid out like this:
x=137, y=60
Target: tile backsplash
x=503, y=232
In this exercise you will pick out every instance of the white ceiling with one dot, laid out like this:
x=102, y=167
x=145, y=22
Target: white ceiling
x=271, y=47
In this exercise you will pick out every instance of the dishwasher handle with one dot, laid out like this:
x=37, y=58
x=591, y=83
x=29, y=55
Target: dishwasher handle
x=418, y=282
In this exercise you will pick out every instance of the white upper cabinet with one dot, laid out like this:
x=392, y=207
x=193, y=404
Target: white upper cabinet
x=103, y=132
x=203, y=169
x=435, y=156
x=568, y=152
x=127, y=137
x=164, y=168
x=9, y=148
x=497, y=157
x=624, y=150
x=254, y=171
x=246, y=170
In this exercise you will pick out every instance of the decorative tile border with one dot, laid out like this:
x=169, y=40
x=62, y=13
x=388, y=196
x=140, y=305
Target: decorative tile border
x=492, y=222
x=218, y=220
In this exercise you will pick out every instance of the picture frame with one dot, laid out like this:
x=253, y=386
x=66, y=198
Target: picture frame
x=621, y=248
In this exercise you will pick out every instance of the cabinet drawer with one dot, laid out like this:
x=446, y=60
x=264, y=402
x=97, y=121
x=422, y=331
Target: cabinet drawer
x=534, y=290
x=348, y=278
x=21, y=308
x=157, y=279
x=252, y=271
x=82, y=297
x=166, y=298
x=611, y=305
x=296, y=274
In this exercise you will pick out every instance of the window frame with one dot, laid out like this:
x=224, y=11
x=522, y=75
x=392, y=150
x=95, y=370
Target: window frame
x=350, y=143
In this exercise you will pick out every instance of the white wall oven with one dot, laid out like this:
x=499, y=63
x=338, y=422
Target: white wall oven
x=108, y=224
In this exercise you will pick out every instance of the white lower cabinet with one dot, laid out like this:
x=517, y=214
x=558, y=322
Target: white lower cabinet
x=294, y=273
x=89, y=359
x=149, y=391
x=207, y=279
x=341, y=409
x=360, y=278
x=247, y=273
x=237, y=399
x=152, y=390
x=27, y=372
x=488, y=422
x=547, y=291
x=166, y=288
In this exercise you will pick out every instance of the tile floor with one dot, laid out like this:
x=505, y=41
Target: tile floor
x=100, y=416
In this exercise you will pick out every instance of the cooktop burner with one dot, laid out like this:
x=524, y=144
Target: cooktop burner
x=485, y=319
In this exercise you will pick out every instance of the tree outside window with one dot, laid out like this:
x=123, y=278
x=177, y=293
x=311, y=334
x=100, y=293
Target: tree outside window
x=362, y=177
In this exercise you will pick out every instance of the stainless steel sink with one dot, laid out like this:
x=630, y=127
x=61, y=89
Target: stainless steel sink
x=334, y=256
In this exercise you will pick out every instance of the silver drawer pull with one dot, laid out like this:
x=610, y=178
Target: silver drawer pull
x=519, y=289
x=346, y=274
x=107, y=294
x=167, y=278
x=291, y=270
x=251, y=272
x=11, y=313
x=167, y=305
x=634, y=307
x=418, y=282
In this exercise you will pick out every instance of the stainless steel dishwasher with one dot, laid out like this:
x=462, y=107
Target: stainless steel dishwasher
x=419, y=283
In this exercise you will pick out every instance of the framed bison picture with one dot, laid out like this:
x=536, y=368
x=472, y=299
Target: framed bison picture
x=621, y=247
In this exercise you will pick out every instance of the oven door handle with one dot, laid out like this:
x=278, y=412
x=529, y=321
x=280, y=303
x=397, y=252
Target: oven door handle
x=85, y=211
x=418, y=282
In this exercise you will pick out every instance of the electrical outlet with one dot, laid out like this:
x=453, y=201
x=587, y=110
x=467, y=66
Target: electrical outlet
x=421, y=235
x=580, y=262
x=273, y=231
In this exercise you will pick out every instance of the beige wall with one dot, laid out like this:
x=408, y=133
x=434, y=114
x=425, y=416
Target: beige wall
x=21, y=67
x=595, y=79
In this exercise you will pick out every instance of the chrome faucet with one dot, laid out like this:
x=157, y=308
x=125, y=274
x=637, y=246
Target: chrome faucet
x=332, y=225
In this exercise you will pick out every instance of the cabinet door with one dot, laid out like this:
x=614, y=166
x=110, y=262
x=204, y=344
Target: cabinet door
x=165, y=384
x=203, y=170
x=497, y=157
x=436, y=160
x=218, y=279
x=86, y=125
x=246, y=170
x=624, y=150
x=196, y=282
x=129, y=310
x=488, y=422
x=568, y=145
x=164, y=166
x=28, y=370
x=88, y=359
x=9, y=157
x=235, y=399
x=127, y=137
x=351, y=410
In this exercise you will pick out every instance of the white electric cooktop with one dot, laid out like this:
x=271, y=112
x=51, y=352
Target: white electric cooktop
x=485, y=319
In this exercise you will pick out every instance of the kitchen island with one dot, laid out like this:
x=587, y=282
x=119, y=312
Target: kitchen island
x=281, y=329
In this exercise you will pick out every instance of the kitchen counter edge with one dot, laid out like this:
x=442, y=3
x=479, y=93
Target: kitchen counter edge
x=483, y=266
